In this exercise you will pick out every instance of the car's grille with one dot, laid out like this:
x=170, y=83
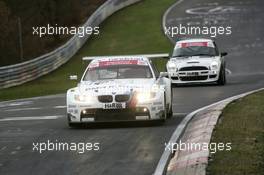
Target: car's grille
x=174, y=78
x=194, y=78
x=122, y=98
x=114, y=115
x=193, y=68
x=105, y=98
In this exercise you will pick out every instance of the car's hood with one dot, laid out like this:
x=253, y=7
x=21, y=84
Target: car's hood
x=118, y=86
x=195, y=61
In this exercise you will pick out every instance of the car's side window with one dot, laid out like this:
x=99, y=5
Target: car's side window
x=216, y=49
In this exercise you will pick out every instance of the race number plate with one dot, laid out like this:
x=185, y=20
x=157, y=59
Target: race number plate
x=114, y=106
x=192, y=73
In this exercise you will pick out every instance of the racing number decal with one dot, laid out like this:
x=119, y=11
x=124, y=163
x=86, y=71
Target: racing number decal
x=114, y=106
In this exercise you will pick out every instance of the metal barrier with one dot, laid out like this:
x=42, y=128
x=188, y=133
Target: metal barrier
x=17, y=74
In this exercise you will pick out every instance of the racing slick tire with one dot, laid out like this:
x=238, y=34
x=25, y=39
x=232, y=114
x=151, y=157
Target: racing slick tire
x=222, y=77
x=70, y=124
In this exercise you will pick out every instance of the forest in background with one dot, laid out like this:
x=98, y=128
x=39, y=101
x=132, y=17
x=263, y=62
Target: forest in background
x=34, y=13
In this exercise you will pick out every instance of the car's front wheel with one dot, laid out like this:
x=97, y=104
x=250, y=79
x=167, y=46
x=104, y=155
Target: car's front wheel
x=70, y=124
x=222, y=77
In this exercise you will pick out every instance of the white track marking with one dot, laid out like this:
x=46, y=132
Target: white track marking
x=34, y=98
x=31, y=118
x=18, y=148
x=13, y=152
x=22, y=109
x=3, y=148
x=165, y=16
x=15, y=104
x=31, y=109
x=213, y=10
x=60, y=107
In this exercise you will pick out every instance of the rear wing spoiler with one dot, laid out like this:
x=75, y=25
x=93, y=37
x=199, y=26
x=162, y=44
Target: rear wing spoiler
x=149, y=56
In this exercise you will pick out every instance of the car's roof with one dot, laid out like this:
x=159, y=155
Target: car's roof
x=195, y=40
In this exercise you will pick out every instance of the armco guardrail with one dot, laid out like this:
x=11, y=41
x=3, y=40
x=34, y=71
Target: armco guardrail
x=17, y=74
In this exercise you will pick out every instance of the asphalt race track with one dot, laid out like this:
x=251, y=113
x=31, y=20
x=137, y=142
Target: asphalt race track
x=245, y=64
x=132, y=149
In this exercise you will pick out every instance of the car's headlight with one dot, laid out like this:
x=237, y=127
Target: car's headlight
x=171, y=67
x=83, y=98
x=144, y=96
x=214, y=66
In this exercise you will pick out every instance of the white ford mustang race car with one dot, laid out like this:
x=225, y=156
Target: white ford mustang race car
x=196, y=61
x=120, y=88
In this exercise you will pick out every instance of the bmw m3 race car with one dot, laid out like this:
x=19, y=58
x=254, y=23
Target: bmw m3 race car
x=120, y=88
x=197, y=61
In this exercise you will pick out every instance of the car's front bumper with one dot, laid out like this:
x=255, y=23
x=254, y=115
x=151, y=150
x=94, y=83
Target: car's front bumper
x=114, y=115
x=81, y=113
x=187, y=77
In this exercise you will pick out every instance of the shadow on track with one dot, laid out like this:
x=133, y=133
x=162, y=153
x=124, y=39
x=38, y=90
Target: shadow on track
x=195, y=85
x=118, y=125
x=131, y=124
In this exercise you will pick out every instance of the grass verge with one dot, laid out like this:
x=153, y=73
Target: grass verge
x=134, y=30
x=242, y=124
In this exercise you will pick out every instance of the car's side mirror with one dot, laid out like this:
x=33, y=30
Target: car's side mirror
x=224, y=54
x=73, y=77
x=163, y=74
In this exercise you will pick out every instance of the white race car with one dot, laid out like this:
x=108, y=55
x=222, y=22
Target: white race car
x=120, y=88
x=196, y=61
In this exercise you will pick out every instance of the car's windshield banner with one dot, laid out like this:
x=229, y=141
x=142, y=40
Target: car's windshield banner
x=195, y=44
x=117, y=62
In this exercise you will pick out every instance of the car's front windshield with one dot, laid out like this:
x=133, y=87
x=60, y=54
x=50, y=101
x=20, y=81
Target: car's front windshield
x=194, y=49
x=117, y=72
